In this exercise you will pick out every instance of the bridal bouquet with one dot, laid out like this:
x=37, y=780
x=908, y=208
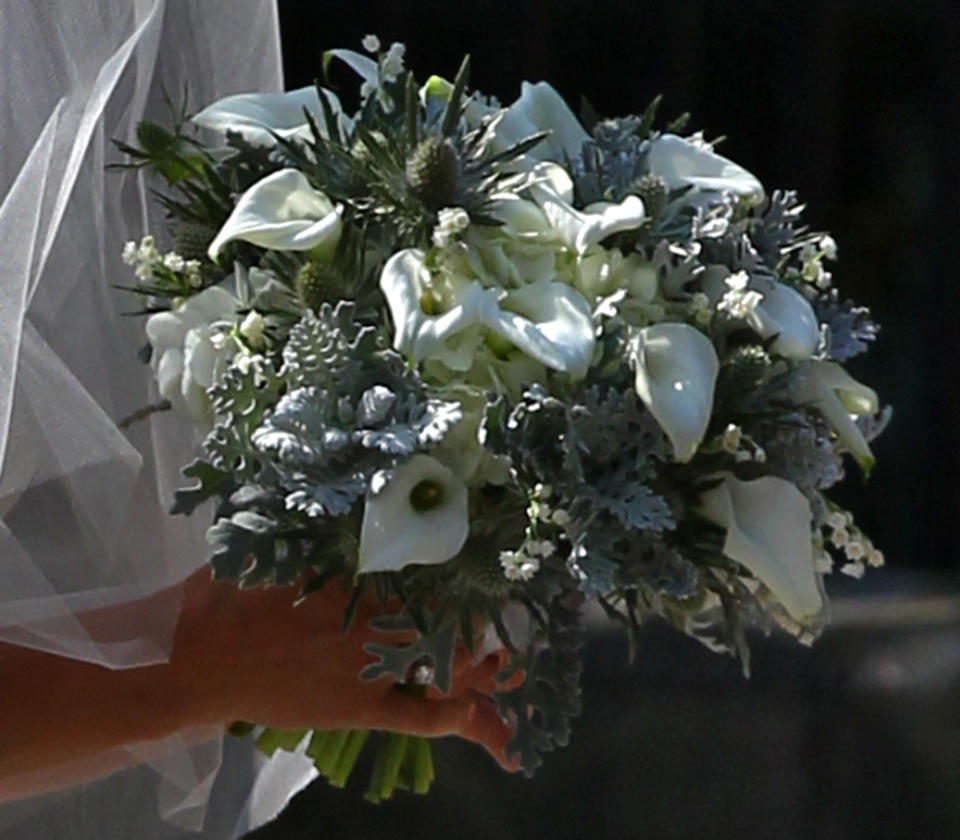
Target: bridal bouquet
x=496, y=364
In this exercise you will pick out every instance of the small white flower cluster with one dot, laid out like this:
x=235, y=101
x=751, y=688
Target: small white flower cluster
x=855, y=545
x=450, y=222
x=149, y=262
x=522, y=565
x=741, y=446
x=812, y=255
x=738, y=301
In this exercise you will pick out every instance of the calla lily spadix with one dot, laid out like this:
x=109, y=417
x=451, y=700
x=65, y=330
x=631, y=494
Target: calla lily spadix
x=540, y=108
x=837, y=395
x=282, y=212
x=768, y=533
x=682, y=163
x=549, y=321
x=260, y=116
x=676, y=372
x=418, y=516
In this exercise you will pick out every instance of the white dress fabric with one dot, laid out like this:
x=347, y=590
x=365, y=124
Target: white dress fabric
x=83, y=504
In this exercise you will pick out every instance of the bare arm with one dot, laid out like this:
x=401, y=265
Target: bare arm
x=246, y=655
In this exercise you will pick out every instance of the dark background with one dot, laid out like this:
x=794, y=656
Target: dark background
x=856, y=105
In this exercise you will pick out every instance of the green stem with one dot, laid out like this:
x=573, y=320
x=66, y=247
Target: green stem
x=396, y=750
x=348, y=757
x=330, y=752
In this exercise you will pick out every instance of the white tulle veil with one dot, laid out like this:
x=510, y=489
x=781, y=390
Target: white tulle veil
x=83, y=504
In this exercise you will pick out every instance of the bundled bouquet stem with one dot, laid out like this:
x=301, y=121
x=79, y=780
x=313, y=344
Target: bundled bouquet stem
x=487, y=363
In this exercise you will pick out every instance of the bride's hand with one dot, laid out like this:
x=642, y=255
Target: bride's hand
x=252, y=655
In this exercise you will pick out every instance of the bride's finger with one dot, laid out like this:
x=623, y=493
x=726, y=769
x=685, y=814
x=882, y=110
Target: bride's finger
x=471, y=716
x=482, y=675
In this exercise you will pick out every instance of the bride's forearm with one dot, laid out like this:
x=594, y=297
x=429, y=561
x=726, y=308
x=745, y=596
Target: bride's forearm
x=56, y=711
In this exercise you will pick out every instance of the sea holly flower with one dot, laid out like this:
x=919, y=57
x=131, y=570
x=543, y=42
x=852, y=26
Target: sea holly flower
x=839, y=397
x=683, y=162
x=262, y=117
x=676, y=372
x=191, y=348
x=549, y=321
x=540, y=108
x=283, y=212
x=768, y=533
x=418, y=516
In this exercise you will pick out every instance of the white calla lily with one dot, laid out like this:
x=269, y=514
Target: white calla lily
x=540, y=108
x=418, y=516
x=581, y=229
x=260, y=116
x=405, y=282
x=549, y=321
x=552, y=216
x=282, y=212
x=682, y=163
x=782, y=313
x=676, y=372
x=837, y=395
x=768, y=533
x=786, y=314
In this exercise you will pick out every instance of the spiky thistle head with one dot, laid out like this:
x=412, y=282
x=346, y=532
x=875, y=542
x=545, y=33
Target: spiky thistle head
x=191, y=240
x=318, y=283
x=433, y=172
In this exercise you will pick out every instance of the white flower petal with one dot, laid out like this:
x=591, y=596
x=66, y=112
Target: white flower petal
x=282, y=212
x=682, y=163
x=786, y=314
x=520, y=217
x=165, y=329
x=199, y=356
x=540, y=108
x=168, y=371
x=185, y=359
x=395, y=534
x=212, y=304
x=676, y=371
x=420, y=336
x=581, y=229
x=195, y=398
x=551, y=323
x=366, y=68
x=604, y=218
x=548, y=321
x=258, y=116
x=837, y=395
x=768, y=532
